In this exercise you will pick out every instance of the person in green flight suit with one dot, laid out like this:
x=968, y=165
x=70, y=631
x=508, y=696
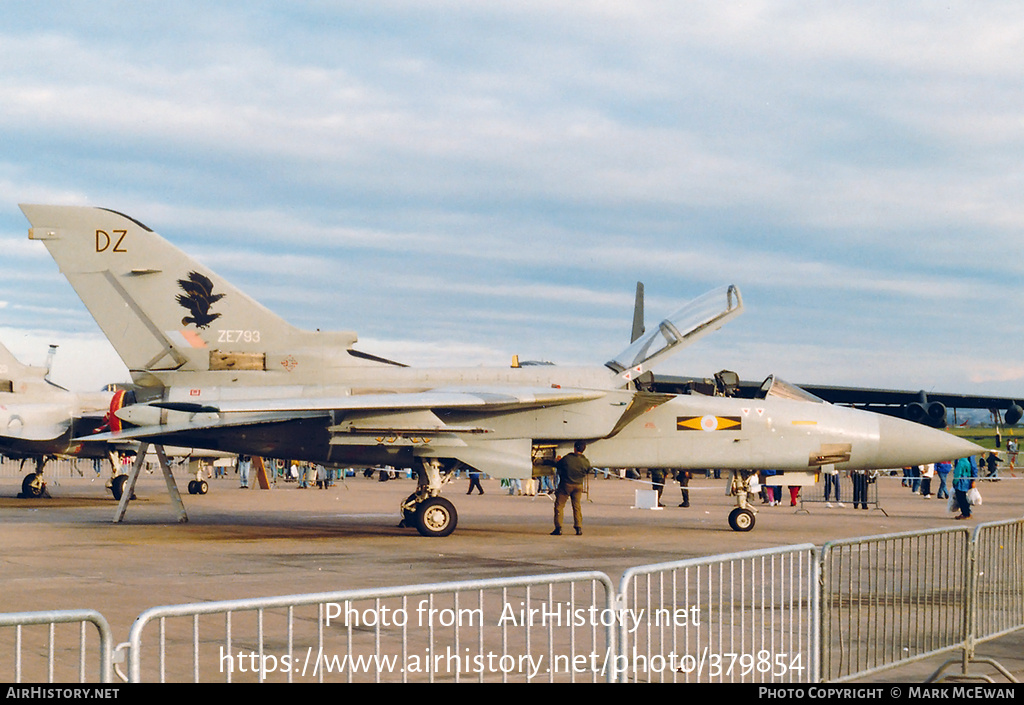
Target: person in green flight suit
x=572, y=471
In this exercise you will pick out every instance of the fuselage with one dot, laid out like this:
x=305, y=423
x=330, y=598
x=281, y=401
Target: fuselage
x=687, y=431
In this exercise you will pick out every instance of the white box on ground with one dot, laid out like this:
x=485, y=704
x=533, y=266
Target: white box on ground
x=646, y=499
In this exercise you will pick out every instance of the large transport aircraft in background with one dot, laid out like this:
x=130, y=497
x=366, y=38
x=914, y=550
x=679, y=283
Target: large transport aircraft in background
x=217, y=370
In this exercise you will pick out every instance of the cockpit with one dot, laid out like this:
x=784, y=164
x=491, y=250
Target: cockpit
x=780, y=389
x=728, y=384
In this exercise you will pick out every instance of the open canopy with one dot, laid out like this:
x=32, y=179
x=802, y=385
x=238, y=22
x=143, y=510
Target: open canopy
x=703, y=315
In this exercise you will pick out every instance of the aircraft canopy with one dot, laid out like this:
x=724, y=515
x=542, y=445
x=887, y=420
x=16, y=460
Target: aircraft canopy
x=703, y=315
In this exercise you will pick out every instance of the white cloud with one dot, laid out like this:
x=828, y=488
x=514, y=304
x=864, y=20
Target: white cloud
x=509, y=169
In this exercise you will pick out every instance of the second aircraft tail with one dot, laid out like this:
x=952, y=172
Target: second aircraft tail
x=13, y=374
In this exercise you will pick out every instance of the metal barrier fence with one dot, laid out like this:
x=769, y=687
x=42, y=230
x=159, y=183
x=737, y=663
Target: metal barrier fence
x=743, y=617
x=996, y=596
x=842, y=492
x=50, y=656
x=899, y=598
x=892, y=599
x=56, y=469
x=508, y=629
x=852, y=609
x=999, y=579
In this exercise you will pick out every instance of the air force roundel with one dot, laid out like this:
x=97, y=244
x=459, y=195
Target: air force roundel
x=708, y=423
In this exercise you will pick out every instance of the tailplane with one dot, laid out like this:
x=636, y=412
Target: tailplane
x=163, y=311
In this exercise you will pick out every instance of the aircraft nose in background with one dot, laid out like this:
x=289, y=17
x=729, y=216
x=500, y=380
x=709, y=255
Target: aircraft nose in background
x=902, y=443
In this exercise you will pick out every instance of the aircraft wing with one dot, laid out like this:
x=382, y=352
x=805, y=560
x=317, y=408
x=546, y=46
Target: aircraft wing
x=484, y=399
x=862, y=396
x=366, y=416
x=35, y=433
x=196, y=421
x=928, y=407
x=366, y=421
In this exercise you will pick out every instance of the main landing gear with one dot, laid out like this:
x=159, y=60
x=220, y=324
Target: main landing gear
x=34, y=486
x=117, y=486
x=743, y=482
x=425, y=509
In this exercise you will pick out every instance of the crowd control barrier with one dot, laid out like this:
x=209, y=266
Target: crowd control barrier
x=851, y=609
x=742, y=617
x=506, y=629
x=56, y=644
x=892, y=599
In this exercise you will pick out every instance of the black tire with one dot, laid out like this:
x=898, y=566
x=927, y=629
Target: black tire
x=202, y=487
x=436, y=516
x=741, y=519
x=117, y=486
x=192, y=486
x=33, y=485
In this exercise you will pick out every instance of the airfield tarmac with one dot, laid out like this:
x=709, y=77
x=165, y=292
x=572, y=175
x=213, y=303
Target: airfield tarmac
x=63, y=552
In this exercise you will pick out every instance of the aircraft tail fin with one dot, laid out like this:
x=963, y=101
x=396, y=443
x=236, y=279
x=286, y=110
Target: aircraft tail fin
x=638, y=314
x=14, y=374
x=9, y=364
x=163, y=311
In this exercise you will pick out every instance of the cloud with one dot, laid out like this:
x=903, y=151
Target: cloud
x=485, y=177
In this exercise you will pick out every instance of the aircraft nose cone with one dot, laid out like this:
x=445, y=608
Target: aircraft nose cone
x=902, y=443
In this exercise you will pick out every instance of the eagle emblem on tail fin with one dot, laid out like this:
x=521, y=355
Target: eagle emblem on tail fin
x=198, y=298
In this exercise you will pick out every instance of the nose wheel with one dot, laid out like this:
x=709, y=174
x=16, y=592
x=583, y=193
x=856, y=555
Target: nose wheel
x=741, y=519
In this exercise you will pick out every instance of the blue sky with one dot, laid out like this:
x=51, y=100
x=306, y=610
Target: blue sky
x=459, y=181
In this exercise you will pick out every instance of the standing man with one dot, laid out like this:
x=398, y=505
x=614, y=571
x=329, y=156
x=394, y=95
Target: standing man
x=860, y=488
x=572, y=471
x=474, y=481
x=244, y=466
x=658, y=482
x=964, y=475
x=832, y=485
x=991, y=462
x=683, y=476
x=942, y=470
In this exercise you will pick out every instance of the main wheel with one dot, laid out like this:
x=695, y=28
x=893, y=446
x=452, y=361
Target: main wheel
x=117, y=486
x=33, y=485
x=202, y=487
x=436, y=517
x=192, y=486
x=741, y=519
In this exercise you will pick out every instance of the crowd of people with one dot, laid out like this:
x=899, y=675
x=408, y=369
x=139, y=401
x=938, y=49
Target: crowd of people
x=954, y=481
x=565, y=479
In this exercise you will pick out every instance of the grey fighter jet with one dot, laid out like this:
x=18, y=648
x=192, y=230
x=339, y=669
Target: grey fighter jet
x=223, y=372
x=40, y=420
